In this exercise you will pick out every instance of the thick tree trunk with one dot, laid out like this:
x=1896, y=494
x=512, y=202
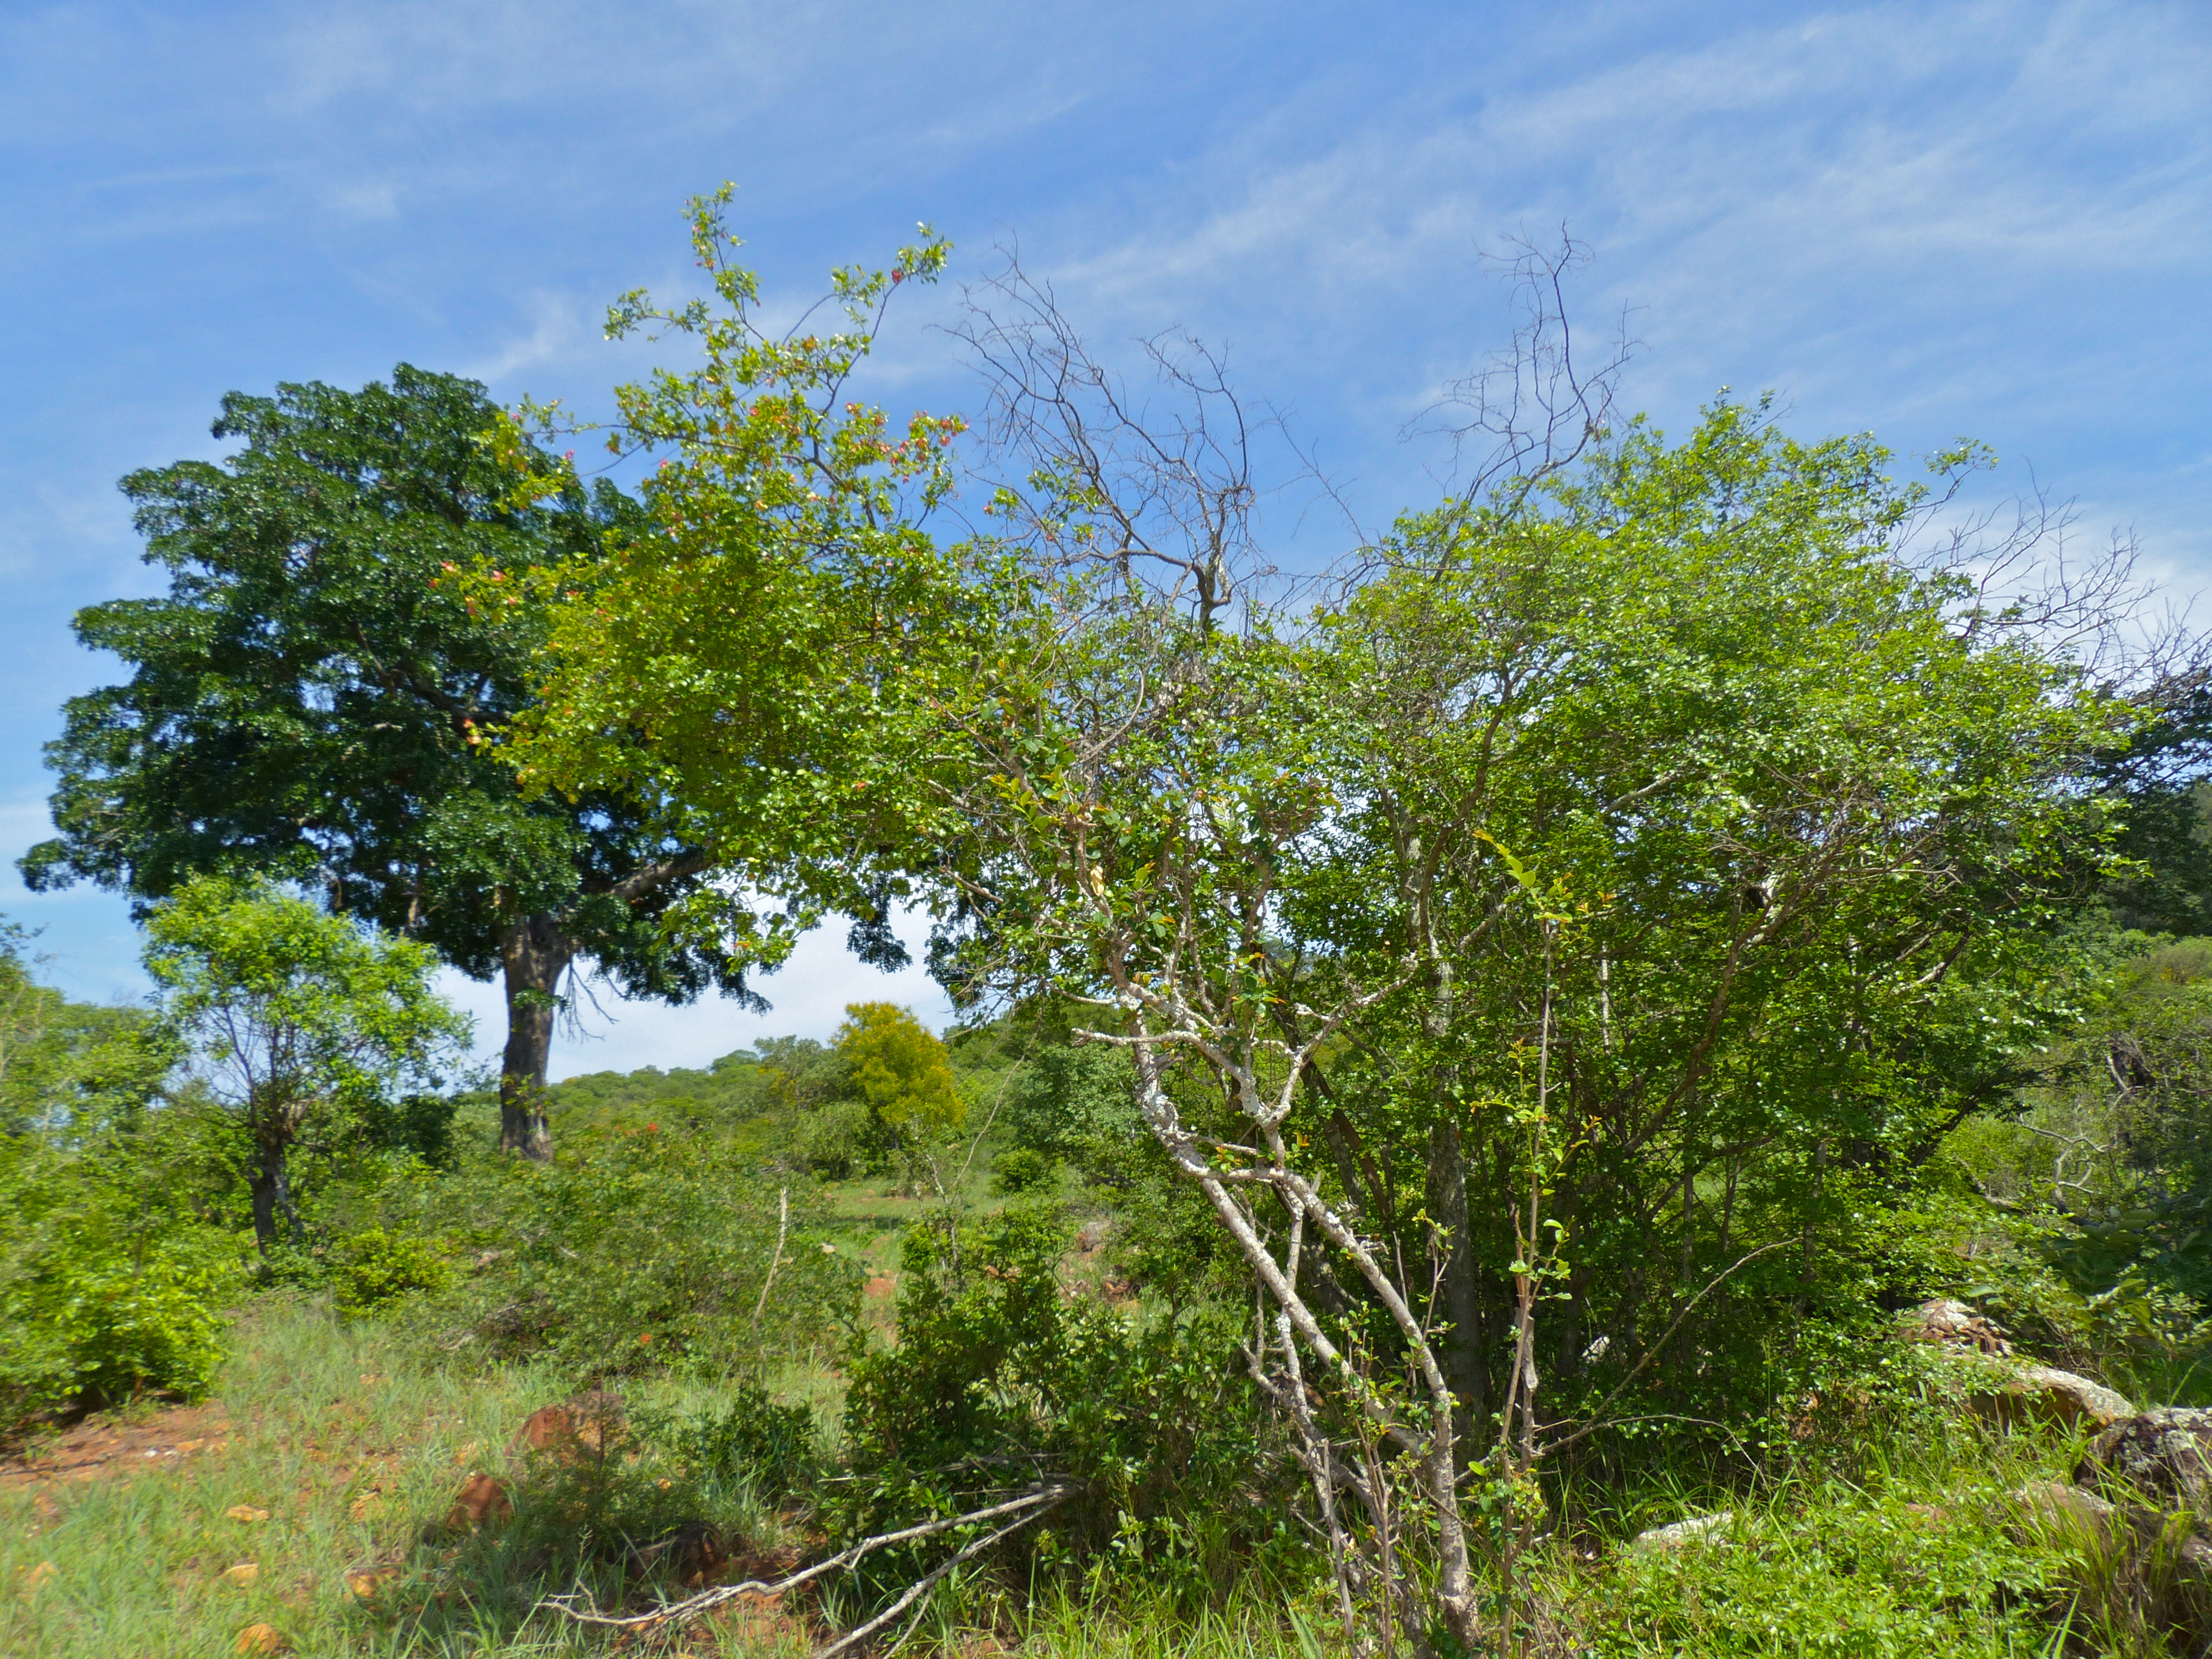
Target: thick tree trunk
x=270, y=1184
x=534, y=953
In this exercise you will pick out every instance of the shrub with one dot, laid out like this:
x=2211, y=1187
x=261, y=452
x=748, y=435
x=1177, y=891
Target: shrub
x=1002, y=1375
x=373, y=1267
x=639, y=1250
x=1021, y=1170
x=769, y=1447
x=105, y=1291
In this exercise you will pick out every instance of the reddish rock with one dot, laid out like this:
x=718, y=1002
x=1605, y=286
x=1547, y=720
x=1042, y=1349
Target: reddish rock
x=482, y=1501
x=584, y=1429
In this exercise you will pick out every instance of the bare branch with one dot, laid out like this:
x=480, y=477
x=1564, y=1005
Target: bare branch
x=1535, y=408
x=1158, y=485
x=1031, y=1507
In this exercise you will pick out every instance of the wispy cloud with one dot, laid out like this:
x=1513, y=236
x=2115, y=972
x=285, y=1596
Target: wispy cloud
x=1980, y=216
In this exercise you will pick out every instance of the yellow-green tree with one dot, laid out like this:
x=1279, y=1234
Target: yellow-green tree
x=900, y=1069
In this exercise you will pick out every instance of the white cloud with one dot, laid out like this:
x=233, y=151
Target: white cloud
x=807, y=997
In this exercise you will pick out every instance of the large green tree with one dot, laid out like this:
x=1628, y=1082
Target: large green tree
x=310, y=699
x=761, y=671
x=1613, y=880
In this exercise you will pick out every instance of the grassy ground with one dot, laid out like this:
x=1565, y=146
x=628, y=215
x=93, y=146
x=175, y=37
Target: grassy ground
x=349, y=1450
x=330, y=1449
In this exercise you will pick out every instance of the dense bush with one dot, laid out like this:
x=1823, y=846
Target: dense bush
x=640, y=1248
x=771, y=1448
x=107, y=1288
x=1002, y=1375
x=1019, y=1170
x=374, y=1268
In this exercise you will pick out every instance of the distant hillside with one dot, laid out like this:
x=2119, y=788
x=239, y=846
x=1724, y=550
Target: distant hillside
x=734, y=1089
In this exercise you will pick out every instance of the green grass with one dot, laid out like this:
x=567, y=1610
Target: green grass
x=352, y=1444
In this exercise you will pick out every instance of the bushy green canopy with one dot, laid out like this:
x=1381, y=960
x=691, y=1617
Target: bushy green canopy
x=310, y=698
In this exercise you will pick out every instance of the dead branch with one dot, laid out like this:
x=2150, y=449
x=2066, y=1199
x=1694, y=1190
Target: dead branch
x=1030, y=1507
x=1160, y=492
x=1535, y=408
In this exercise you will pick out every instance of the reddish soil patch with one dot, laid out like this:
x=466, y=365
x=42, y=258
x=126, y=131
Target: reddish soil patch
x=98, y=1447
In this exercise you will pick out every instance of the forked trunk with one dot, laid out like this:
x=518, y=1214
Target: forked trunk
x=534, y=953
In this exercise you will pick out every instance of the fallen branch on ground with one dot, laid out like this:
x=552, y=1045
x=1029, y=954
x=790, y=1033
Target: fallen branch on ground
x=1027, y=1508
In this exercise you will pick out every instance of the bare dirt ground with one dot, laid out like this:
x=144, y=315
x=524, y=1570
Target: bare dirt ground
x=105, y=1445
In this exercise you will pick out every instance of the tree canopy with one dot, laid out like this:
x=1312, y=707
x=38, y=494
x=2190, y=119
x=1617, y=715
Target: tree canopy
x=311, y=699
x=293, y=1017
x=1616, y=886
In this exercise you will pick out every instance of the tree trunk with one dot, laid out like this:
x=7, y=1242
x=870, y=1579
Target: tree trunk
x=1461, y=1352
x=534, y=953
x=270, y=1184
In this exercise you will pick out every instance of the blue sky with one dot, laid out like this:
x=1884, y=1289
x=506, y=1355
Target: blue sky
x=1926, y=221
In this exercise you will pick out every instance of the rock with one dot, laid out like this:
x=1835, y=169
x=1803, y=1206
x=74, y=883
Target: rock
x=262, y=1638
x=1681, y=1532
x=1954, y=1325
x=244, y=1512
x=363, y=1582
x=2164, y=1454
x=2056, y=1504
x=584, y=1429
x=244, y=1573
x=482, y=1501
x=2005, y=1392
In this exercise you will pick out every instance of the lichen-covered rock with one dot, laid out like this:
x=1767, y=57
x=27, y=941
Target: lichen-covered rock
x=2164, y=1454
x=1681, y=1532
x=2057, y=1507
x=2005, y=1392
x=1954, y=1325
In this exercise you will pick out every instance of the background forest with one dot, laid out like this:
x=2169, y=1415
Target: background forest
x=1467, y=1054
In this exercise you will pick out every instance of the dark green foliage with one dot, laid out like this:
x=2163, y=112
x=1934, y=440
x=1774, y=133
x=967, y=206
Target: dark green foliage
x=1019, y=1170
x=1002, y=1375
x=420, y=1125
x=643, y=1249
x=1075, y=1103
x=2163, y=776
x=373, y=1268
x=772, y=1449
x=313, y=695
